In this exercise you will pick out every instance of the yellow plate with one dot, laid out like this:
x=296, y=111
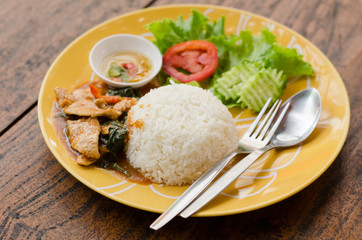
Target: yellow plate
x=278, y=175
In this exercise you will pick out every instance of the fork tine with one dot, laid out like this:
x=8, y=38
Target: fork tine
x=266, y=128
x=257, y=120
x=277, y=123
x=262, y=124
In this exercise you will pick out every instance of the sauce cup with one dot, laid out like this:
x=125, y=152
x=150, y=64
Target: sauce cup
x=124, y=43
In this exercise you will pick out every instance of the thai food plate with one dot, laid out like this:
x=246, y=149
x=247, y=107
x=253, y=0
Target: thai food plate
x=275, y=176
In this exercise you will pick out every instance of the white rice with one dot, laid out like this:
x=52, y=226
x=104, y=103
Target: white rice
x=177, y=132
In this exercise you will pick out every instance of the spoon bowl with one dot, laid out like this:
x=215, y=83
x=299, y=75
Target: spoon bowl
x=300, y=120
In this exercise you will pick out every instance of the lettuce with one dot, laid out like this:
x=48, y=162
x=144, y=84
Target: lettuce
x=168, y=32
x=287, y=60
x=233, y=50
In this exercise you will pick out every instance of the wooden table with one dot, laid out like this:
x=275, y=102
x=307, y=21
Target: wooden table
x=39, y=199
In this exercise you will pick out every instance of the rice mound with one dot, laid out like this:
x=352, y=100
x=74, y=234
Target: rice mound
x=177, y=132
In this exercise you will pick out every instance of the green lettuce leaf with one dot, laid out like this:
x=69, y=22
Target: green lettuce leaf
x=168, y=32
x=287, y=60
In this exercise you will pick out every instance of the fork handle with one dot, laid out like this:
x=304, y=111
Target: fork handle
x=224, y=181
x=192, y=192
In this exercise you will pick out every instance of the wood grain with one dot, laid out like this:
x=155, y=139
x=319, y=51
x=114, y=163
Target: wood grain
x=32, y=34
x=41, y=200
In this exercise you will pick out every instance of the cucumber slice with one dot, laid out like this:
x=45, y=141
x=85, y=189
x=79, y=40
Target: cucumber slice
x=267, y=83
x=237, y=75
x=249, y=85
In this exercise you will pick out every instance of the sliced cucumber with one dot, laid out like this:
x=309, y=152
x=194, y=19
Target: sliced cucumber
x=237, y=75
x=249, y=85
x=265, y=84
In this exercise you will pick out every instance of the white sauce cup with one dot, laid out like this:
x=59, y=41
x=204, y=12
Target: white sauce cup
x=124, y=43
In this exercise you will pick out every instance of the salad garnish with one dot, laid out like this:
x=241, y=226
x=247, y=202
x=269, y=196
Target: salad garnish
x=271, y=62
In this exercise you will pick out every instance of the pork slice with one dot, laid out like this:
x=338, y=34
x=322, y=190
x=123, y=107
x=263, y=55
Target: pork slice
x=83, y=93
x=105, y=129
x=85, y=161
x=124, y=105
x=64, y=97
x=88, y=108
x=83, y=136
x=101, y=103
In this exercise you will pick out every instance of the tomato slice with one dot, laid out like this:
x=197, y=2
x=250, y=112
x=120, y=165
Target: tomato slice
x=198, y=57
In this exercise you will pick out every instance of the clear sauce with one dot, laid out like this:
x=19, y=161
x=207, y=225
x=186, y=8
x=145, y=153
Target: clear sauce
x=127, y=67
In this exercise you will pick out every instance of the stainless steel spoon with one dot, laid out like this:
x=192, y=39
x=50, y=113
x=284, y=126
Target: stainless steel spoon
x=297, y=125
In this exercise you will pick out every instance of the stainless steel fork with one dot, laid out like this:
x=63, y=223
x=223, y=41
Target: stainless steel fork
x=257, y=136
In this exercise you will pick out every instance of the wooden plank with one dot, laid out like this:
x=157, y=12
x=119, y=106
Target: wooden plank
x=39, y=199
x=33, y=33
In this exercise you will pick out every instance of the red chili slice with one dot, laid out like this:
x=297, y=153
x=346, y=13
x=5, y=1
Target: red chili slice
x=198, y=57
x=131, y=68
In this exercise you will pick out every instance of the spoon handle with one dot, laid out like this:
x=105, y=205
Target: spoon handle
x=224, y=181
x=192, y=192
